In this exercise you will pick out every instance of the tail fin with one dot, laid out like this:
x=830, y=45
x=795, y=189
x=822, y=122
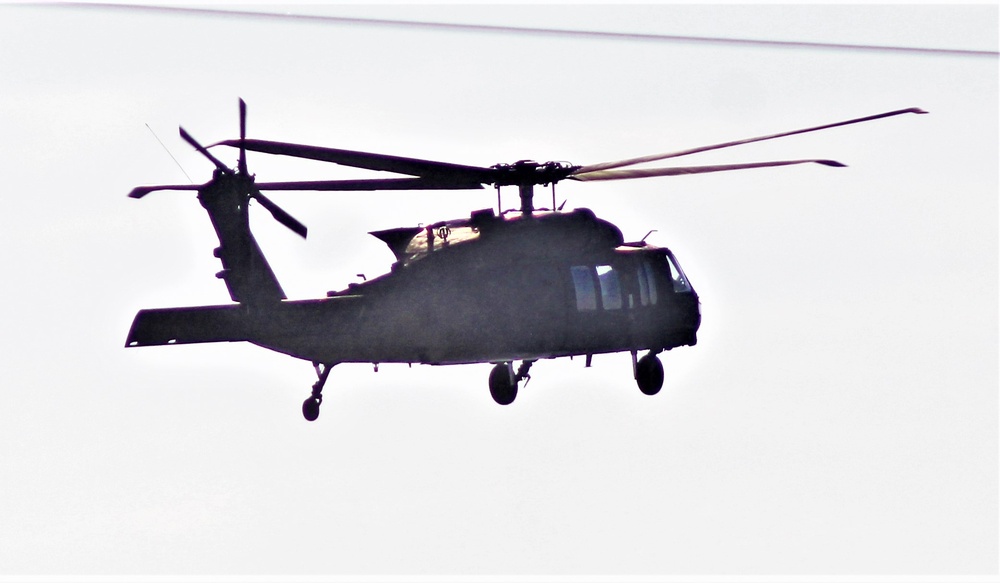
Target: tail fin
x=188, y=326
x=244, y=269
x=226, y=198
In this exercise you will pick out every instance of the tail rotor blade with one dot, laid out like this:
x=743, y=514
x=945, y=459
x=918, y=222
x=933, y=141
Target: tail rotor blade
x=280, y=215
x=242, y=165
x=141, y=191
x=187, y=138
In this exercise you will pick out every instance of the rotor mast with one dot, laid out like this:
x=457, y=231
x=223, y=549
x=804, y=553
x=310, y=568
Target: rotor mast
x=525, y=174
x=527, y=193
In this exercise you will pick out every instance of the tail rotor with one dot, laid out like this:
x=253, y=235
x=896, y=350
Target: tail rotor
x=241, y=178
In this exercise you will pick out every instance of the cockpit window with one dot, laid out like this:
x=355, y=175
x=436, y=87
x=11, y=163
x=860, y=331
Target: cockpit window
x=647, y=285
x=583, y=282
x=611, y=287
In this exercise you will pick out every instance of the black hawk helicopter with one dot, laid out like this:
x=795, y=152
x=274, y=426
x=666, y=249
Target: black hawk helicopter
x=491, y=288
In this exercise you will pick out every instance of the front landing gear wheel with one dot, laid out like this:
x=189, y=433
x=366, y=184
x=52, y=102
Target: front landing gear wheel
x=310, y=408
x=649, y=374
x=503, y=386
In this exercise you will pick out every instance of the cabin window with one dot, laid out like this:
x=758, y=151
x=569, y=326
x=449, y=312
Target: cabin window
x=586, y=292
x=681, y=284
x=611, y=287
x=647, y=285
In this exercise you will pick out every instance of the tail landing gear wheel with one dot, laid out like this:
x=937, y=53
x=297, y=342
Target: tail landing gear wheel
x=503, y=387
x=310, y=408
x=649, y=374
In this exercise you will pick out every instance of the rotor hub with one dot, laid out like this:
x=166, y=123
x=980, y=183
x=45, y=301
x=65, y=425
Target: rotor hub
x=525, y=172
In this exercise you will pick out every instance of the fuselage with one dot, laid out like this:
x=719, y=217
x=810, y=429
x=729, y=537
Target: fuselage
x=496, y=289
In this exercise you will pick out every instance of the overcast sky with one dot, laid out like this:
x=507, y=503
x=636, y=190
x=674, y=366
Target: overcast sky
x=839, y=414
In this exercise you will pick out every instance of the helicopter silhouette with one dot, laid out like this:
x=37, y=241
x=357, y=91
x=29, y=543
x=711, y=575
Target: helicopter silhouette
x=491, y=288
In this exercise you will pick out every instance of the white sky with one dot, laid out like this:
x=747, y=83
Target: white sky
x=839, y=415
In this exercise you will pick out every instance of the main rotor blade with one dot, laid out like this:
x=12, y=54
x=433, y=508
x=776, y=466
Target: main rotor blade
x=649, y=172
x=372, y=184
x=653, y=158
x=370, y=161
x=141, y=191
x=279, y=214
x=187, y=138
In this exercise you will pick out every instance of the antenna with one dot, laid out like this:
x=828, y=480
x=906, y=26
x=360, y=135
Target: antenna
x=169, y=154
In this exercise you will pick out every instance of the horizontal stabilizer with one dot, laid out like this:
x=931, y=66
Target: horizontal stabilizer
x=188, y=325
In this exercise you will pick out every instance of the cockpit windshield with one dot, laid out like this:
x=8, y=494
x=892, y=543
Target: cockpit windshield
x=680, y=280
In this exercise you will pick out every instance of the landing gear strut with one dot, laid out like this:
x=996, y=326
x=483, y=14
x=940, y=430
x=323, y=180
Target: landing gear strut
x=503, y=381
x=310, y=407
x=648, y=373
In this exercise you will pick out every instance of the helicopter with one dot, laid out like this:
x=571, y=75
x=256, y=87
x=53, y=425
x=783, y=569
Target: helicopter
x=495, y=287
